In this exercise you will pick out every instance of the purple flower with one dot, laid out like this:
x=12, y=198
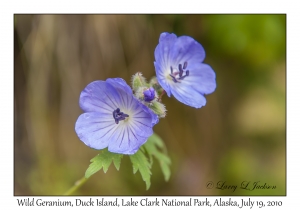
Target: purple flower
x=149, y=94
x=180, y=71
x=113, y=117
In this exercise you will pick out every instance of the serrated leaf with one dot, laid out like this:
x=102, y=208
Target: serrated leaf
x=153, y=143
x=103, y=160
x=141, y=163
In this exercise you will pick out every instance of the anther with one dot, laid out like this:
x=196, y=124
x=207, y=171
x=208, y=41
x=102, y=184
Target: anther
x=185, y=65
x=180, y=70
x=186, y=74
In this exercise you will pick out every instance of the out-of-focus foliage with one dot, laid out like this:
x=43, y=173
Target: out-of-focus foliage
x=240, y=135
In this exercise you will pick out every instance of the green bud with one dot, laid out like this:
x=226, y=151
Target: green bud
x=158, y=108
x=138, y=81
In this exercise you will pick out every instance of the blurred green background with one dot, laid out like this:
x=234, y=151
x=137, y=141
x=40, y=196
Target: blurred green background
x=240, y=135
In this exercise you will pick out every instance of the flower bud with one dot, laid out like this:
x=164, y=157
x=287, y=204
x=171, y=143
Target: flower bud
x=149, y=94
x=138, y=81
x=158, y=108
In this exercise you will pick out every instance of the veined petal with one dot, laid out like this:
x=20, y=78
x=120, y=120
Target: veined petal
x=162, y=50
x=119, y=83
x=167, y=38
x=124, y=92
x=99, y=96
x=141, y=128
x=202, y=78
x=94, y=128
x=161, y=78
x=185, y=94
x=186, y=49
x=150, y=114
x=126, y=141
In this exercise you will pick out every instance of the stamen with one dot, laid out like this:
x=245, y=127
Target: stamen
x=186, y=74
x=185, y=65
x=118, y=116
x=173, y=78
x=179, y=72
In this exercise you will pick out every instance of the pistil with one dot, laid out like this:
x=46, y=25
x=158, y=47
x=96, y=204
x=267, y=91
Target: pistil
x=118, y=115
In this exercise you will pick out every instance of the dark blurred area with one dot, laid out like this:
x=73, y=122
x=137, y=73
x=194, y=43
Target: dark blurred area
x=240, y=135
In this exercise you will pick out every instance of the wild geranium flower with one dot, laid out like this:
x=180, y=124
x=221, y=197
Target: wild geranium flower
x=180, y=71
x=113, y=117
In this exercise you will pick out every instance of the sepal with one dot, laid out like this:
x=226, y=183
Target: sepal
x=158, y=108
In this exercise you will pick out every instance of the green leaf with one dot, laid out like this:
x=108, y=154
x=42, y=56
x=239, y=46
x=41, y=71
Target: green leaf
x=103, y=160
x=141, y=163
x=153, y=147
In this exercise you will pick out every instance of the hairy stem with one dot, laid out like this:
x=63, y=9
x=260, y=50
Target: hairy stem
x=161, y=95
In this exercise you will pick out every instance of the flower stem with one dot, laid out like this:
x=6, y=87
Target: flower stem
x=77, y=185
x=161, y=95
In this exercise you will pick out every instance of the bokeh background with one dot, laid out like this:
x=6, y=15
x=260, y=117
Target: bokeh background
x=240, y=135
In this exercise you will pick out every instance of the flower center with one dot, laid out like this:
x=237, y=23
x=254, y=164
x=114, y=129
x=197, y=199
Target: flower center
x=118, y=115
x=178, y=75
